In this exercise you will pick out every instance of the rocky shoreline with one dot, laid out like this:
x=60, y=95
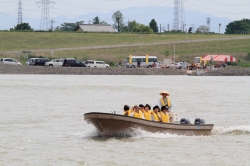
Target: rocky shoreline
x=12, y=69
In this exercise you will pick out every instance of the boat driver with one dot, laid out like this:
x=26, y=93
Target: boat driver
x=164, y=101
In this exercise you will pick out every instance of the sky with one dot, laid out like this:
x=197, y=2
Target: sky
x=233, y=10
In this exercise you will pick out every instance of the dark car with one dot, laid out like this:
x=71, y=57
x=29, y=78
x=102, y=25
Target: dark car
x=37, y=61
x=69, y=62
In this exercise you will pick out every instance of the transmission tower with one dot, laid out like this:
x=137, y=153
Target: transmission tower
x=45, y=17
x=208, y=23
x=182, y=18
x=20, y=16
x=179, y=15
x=176, y=14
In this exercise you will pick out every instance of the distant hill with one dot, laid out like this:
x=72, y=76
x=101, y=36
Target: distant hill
x=163, y=16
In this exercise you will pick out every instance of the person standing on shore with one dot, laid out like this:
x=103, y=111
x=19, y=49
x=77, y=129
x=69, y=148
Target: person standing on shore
x=164, y=101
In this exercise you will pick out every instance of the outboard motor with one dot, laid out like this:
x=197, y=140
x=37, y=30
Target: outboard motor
x=199, y=121
x=185, y=121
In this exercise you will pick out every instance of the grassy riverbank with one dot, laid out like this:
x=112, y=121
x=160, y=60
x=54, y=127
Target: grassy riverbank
x=18, y=41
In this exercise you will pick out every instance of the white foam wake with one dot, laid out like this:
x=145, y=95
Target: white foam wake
x=90, y=133
x=232, y=130
x=139, y=133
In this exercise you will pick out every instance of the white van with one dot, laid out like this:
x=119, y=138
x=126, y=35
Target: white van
x=97, y=64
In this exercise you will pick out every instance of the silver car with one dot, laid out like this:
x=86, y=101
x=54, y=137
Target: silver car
x=55, y=63
x=9, y=61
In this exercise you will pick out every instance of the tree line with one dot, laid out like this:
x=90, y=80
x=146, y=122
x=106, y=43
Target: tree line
x=235, y=27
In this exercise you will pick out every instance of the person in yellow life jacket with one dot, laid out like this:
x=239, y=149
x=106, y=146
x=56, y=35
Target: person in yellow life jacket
x=155, y=114
x=126, y=110
x=137, y=113
x=147, y=112
x=142, y=108
x=164, y=101
x=164, y=114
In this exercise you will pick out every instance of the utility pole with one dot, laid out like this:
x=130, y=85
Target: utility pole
x=20, y=15
x=128, y=25
x=44, y=23
x=186, y=34
x=160, y=28
x=168, y=27
x=51, y=24
x=219, y=27
x=174, y=53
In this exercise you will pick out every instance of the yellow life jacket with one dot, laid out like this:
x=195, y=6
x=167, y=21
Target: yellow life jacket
x=147, y=115
x=156, y=116
x=138, y=115
x=127, y=113
x=164, y=117
x=168, y=102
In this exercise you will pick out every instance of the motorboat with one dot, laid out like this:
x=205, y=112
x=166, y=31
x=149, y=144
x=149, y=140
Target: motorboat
x=115, y=125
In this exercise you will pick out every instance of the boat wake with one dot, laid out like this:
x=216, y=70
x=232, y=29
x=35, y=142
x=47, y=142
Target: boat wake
x=91, y=133
x=136, y=133
x=140, y=133
x=235, y=130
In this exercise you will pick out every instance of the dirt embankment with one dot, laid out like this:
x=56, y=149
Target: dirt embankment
x=11, y=69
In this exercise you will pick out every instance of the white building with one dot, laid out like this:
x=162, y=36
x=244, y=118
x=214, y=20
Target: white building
x=94, y=28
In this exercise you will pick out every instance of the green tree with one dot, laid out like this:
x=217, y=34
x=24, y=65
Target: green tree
x=130, y=26
x=153, y=25
x=167, y=53
x=142, y=28
x=247, y=58
x=190, y=30
x=118, y=21
x=238, y=27
x=96, y=20
x=70, y=26
x=23, y=26
x=104, y=23
x=202, y=29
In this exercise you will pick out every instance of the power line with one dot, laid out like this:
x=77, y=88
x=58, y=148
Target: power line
x=45, y=17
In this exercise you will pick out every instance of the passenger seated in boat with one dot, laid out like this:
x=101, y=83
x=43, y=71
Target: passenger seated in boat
x=127, y=111
x=137, y=113
x=155, y=114
x=147, y=112
x=141, y=106
x=164, y=114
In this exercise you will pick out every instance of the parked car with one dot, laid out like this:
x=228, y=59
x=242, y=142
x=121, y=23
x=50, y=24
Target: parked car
x=180, y=65
x=97, y=64
x=9, y=61
x=37, y=61
x=55, y=63
x=71, y=62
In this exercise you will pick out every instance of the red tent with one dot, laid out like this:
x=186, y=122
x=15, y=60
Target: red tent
x=220, y=58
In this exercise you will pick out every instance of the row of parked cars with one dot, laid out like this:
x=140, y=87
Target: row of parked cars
x=68, y=62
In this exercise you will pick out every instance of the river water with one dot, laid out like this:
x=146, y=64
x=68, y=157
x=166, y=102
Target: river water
x=42, y=120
